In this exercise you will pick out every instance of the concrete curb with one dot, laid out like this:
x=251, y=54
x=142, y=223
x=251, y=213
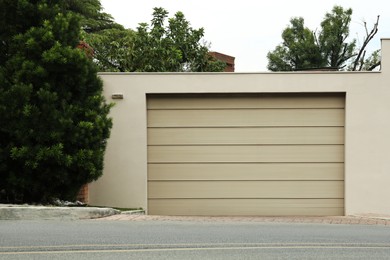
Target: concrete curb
x=346, y=220
x=373, y=216
x=23, y=212
x=133, y=212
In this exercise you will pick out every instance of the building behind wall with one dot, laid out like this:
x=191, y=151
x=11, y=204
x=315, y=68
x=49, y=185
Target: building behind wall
x=229, y=60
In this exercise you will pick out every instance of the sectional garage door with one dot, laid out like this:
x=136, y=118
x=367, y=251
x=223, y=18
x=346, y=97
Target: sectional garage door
x=246, y=154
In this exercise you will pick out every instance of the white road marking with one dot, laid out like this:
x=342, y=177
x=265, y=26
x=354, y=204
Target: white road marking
x=188, y=247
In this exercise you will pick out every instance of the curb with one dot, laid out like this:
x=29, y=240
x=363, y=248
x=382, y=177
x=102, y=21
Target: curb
x=15, y=212
x=133, y=212
x=346, y=220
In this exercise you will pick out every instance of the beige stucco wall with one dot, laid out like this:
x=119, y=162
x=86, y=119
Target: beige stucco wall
x=367, y=131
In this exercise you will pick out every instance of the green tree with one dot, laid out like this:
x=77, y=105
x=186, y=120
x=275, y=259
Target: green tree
x=92, y=17
x=158, y=47
x=333, y=36
x=298, y=50
x=111, y=41
x=54, y=120
x=113, y=48
x=172, y=47
x=304, y=49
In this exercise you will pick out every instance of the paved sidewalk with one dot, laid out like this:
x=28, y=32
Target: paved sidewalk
x=25, y=212
x=355, y=220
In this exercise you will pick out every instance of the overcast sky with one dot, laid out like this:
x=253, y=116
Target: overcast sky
x=249, y=29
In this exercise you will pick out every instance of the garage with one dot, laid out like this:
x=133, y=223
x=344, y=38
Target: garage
x=246, y=154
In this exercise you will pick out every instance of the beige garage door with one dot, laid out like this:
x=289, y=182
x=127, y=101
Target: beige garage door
x=255, y=154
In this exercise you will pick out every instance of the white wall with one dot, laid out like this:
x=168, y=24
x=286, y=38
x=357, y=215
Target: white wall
x=367, y=147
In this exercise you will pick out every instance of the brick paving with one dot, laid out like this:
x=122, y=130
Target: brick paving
x=351, y=220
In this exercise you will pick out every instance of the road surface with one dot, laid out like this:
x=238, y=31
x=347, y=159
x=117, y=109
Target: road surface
x=94, y=239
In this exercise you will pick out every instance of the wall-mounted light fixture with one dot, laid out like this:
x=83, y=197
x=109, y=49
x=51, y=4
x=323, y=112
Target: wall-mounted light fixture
x=117, y=96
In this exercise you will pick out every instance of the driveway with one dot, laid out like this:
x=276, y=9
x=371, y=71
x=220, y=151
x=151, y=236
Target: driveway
x=359, y=220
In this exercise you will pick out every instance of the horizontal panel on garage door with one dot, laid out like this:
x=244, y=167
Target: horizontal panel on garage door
x=246, y=117
x=254, y=100
x=244, y=171
x=240, y=153
x=247, y=207
x=268, y=135
x=246, y=189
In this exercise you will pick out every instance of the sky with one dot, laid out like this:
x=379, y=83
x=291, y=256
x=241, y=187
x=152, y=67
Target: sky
x=249, y=29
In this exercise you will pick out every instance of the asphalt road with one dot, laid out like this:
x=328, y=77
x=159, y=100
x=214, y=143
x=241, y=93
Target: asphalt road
x=93, y=239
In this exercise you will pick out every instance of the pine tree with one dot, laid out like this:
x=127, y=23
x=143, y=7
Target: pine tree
x=53, y=118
